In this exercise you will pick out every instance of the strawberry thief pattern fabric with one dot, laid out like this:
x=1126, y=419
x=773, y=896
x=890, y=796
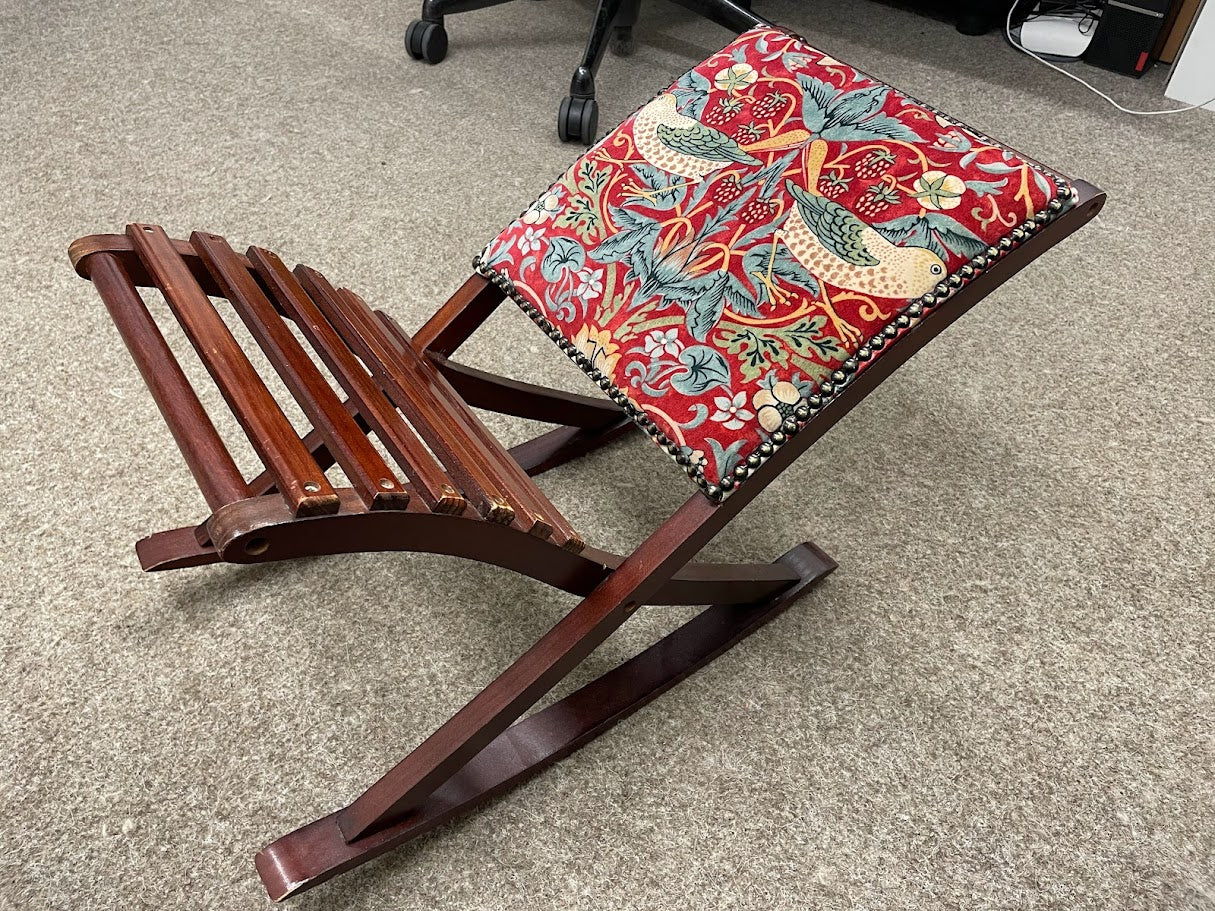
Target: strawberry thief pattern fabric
x=746, y=240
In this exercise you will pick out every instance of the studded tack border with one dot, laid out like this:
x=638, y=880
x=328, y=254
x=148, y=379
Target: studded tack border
x=827, y=390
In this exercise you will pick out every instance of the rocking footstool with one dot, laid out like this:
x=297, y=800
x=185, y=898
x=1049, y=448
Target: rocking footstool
x=735, y=266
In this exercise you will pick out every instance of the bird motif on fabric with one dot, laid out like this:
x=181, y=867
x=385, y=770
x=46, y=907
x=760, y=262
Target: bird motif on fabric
x=846, y=253
x=682, y=145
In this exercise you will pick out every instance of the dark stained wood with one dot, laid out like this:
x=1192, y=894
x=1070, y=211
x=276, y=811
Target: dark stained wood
x=426, y=476
x=206, y=455
x=302, y=484
x=482, y=749
x=460, y=317
x=367, y=471
x=547, y=520
x=564, y=444
x=406, y=786
x=532, y=511
x=353, y=530
x=442, y=431
x=319, y=851
x=121, y=248
x=314, y=442
x=177, y=548
x=525, y=400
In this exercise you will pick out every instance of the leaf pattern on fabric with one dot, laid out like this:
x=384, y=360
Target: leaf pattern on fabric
x=727, y=248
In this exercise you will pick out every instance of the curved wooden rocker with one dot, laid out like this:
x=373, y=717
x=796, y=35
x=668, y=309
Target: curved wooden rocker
x=448, y=486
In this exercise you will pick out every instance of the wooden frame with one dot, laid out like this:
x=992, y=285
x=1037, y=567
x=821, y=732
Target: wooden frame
x=473, y=498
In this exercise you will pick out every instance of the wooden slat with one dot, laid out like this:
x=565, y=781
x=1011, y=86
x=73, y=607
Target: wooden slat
x=315, y=444
x=427, y=477
x=458, y=449
x=368, y=473
x=521, y=486
x=426, y=381
x=301, y=483
x=206, y=456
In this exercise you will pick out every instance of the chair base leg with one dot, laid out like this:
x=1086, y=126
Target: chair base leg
x=317, y=852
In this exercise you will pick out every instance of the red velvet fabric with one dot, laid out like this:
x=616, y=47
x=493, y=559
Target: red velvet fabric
x=719, y=255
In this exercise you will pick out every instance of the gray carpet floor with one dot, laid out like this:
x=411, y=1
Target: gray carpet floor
x=1003, y=699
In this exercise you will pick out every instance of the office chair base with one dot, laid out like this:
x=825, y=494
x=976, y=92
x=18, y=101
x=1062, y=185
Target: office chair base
x=623, y=44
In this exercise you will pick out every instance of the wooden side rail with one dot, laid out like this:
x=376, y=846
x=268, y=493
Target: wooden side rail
x=206, y=455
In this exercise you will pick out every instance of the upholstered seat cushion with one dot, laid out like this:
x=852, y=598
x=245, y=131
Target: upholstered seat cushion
x=733, y=253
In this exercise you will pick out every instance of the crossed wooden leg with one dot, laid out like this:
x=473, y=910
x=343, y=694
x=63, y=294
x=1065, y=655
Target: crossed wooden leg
x=479, y=754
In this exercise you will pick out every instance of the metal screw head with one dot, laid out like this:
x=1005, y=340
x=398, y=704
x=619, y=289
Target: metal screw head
x=311, y=487
x=387, y=483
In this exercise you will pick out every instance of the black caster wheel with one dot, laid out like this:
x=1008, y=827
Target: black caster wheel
x=578, y=120
x=623, y=44
x=426, y=41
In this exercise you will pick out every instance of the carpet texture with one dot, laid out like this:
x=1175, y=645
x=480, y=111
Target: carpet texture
x=1003, y=698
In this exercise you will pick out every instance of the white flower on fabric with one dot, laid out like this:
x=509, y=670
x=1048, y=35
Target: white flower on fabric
x=731, y=413
x=659, y=342
x=776, y=404
x=590, y=284
x=543, y=208
x=735, y=78
x=938, y=190
x=530, y=241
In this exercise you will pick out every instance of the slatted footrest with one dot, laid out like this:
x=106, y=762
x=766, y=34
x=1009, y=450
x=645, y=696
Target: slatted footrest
x=441, y=455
